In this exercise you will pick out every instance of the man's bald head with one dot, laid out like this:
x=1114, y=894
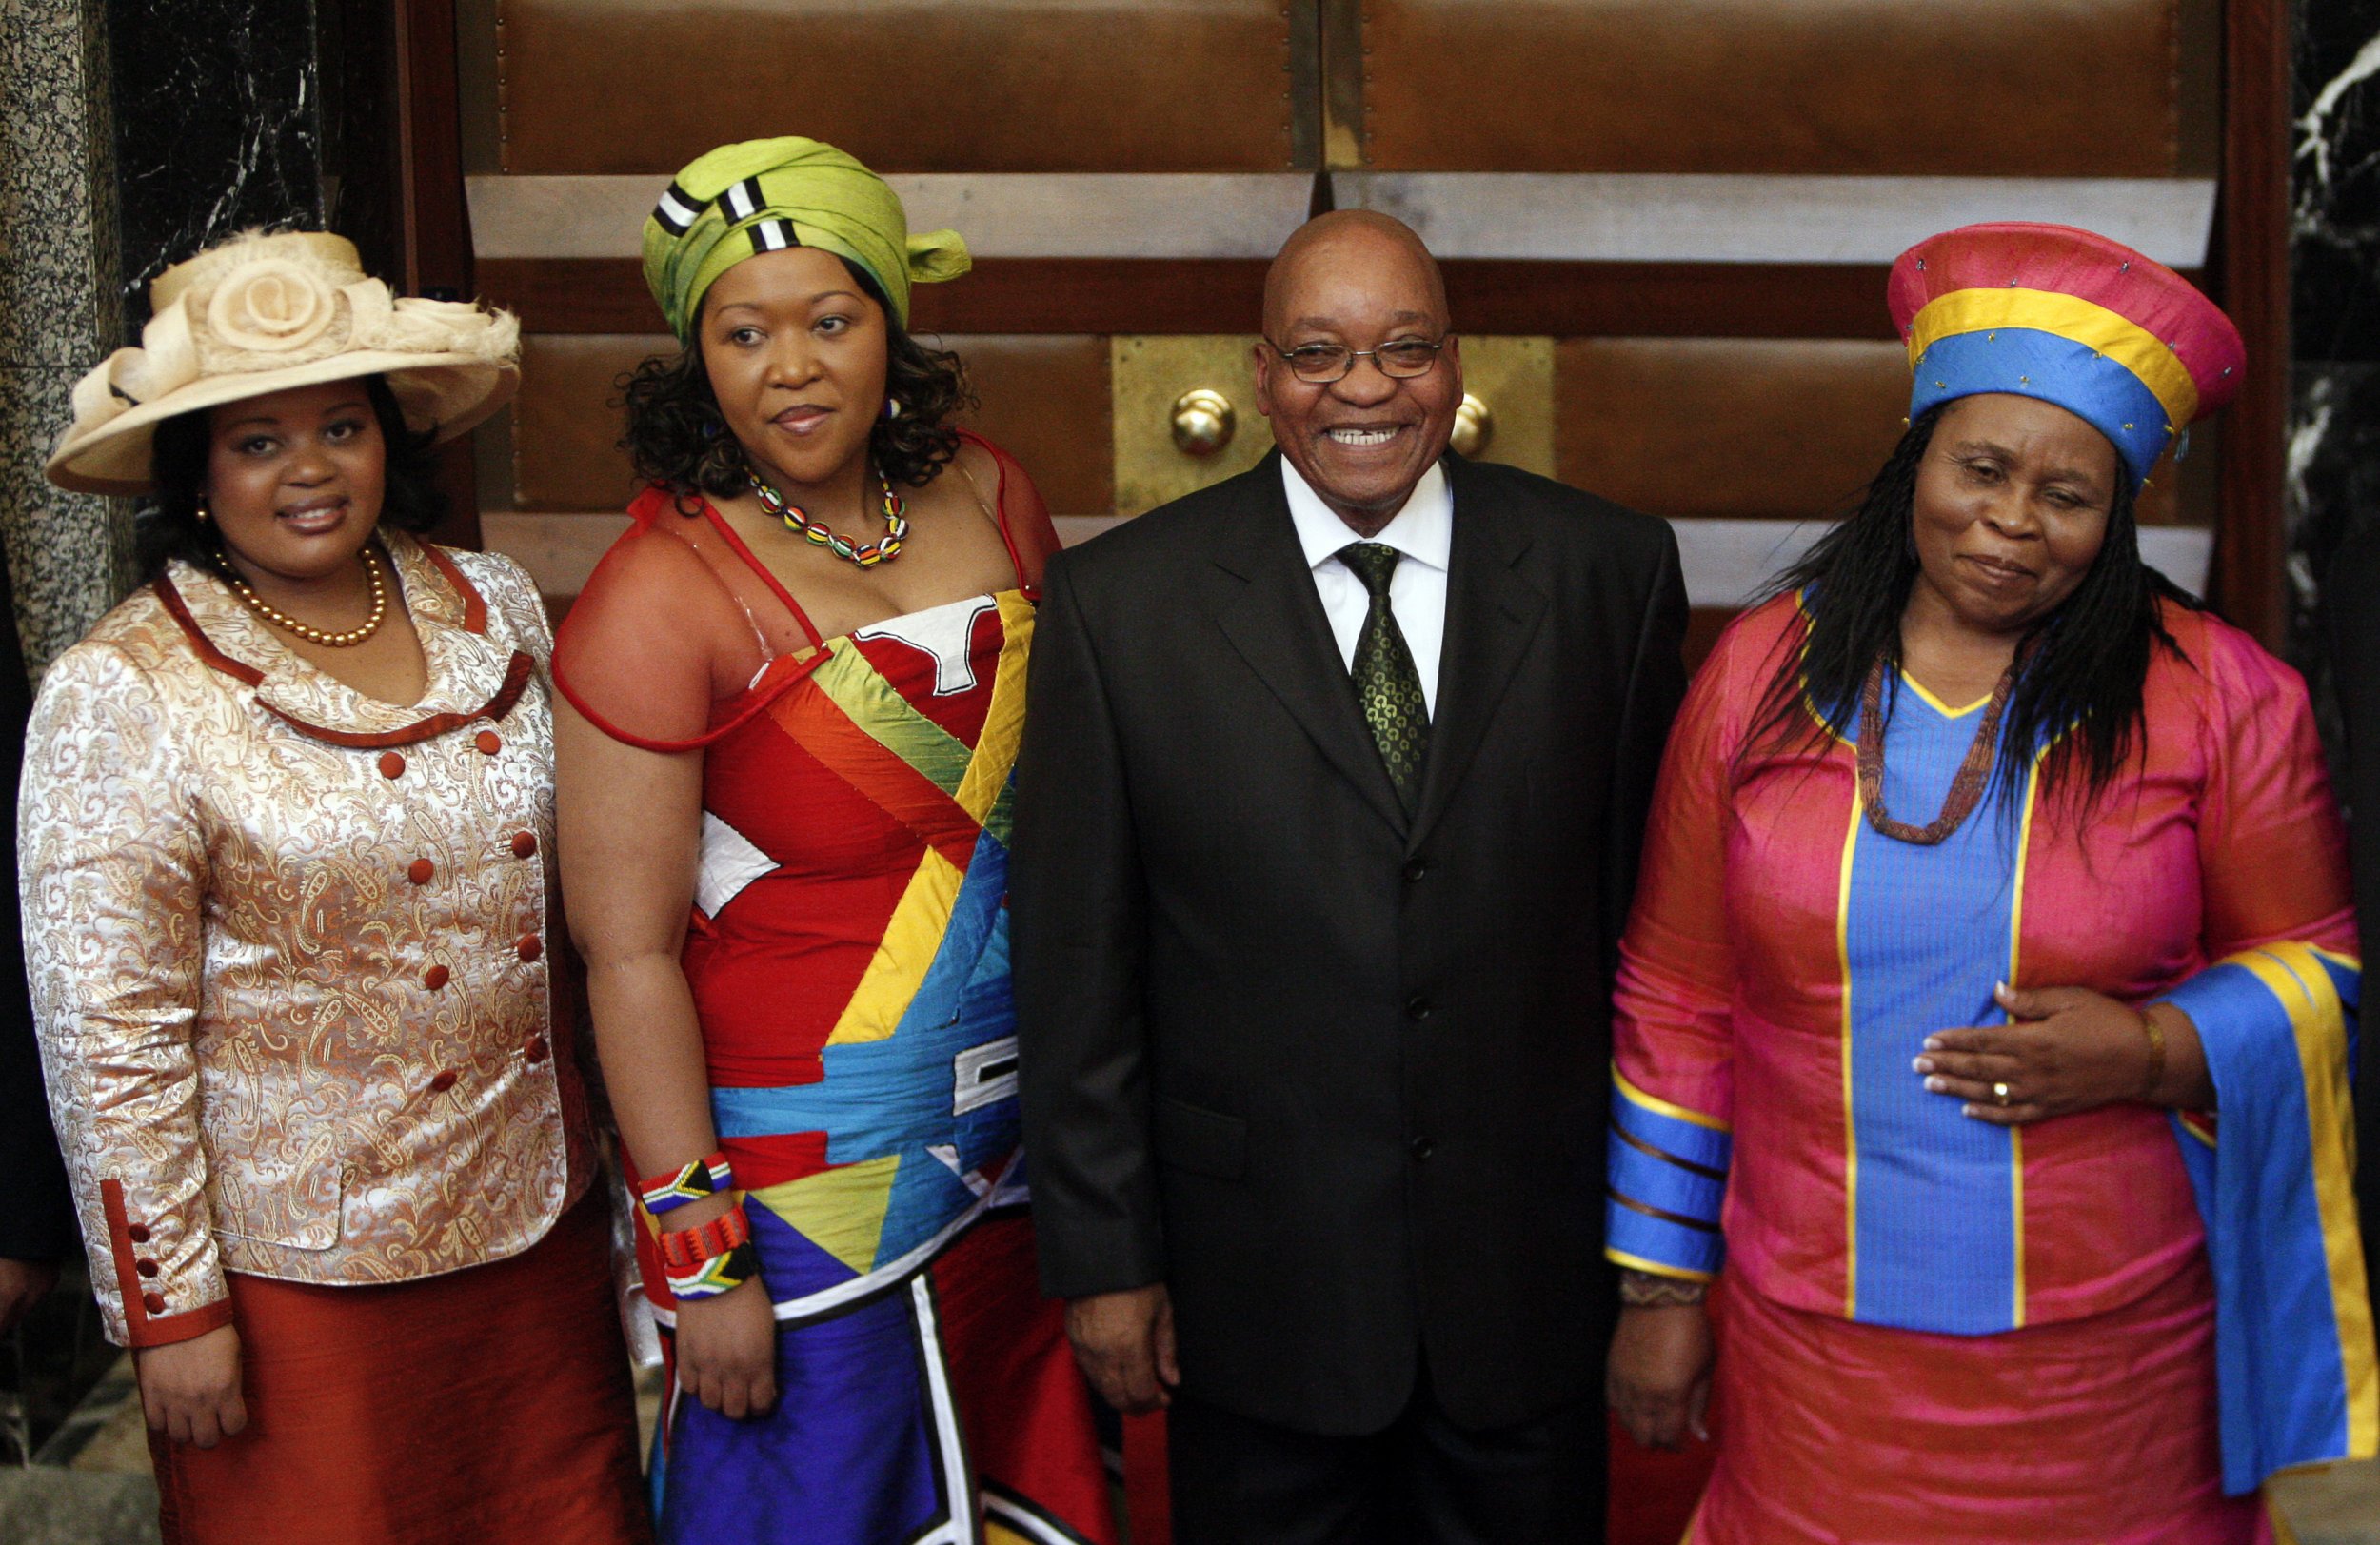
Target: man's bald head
x=1348, y=243
x=1358, y=282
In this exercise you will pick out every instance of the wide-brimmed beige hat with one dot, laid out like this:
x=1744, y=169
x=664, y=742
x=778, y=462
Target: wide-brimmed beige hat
x=267, y=311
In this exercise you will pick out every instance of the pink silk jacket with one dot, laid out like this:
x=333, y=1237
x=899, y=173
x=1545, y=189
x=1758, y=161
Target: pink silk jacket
x=287, y=948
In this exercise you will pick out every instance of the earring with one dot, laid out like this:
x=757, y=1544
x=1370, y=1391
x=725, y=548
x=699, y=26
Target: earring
x=892, y=407
x=204, y=513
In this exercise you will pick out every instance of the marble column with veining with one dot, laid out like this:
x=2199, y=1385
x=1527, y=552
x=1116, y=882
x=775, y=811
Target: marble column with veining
x=2335, y=429
x=67, y=553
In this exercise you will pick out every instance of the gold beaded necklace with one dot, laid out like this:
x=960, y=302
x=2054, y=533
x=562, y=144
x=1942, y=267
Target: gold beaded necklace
x=287, y=623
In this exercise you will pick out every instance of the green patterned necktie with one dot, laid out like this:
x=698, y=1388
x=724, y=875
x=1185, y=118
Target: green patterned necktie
x=1386, y=682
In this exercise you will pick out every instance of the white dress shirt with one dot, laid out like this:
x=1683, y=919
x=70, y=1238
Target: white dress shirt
x=1423, y=530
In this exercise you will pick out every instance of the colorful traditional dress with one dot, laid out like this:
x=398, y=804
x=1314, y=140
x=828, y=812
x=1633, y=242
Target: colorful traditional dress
x=2110, y=1326
x=848, y=959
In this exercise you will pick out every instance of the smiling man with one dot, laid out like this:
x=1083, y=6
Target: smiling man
x=1326, y=825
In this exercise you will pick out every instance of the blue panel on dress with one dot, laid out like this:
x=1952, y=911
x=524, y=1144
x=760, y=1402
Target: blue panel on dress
x=1928, y=935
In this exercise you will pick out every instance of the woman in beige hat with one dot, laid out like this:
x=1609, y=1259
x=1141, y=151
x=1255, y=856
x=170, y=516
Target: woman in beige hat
x=287, y=825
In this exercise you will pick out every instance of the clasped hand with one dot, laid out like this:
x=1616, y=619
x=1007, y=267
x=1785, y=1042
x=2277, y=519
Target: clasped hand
x=2068, y=1049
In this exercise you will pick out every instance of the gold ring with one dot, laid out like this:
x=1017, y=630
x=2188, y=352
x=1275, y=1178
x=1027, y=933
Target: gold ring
x=1999, y=1092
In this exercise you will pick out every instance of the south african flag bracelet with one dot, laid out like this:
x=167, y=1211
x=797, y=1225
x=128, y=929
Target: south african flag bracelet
x=704, y=1263
x=705, y=1178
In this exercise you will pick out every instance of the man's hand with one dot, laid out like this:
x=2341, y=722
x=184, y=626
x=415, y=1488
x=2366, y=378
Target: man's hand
x=1659, y=1378
x=727, y=1350
x=23, y=1284
x=1125, y=1342
x=191, y=1390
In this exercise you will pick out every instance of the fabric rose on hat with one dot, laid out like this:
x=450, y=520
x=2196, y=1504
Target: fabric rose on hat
x=270, y=307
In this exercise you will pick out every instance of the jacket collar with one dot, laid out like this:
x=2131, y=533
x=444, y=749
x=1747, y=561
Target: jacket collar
x=470, y=675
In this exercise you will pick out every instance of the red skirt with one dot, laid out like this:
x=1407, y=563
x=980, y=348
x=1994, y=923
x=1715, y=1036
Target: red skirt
x=490, y=1403
x=2099, y=1430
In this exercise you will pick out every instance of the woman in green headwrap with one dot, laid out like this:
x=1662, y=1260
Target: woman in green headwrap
x=794, y=689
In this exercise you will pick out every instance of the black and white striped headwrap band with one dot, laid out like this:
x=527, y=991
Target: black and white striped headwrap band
x=678, y=210
x=773, y=235
x=744, y=200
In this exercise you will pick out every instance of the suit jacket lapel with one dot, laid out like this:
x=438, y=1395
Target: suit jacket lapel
x=1491, y=613
x=1268, y=608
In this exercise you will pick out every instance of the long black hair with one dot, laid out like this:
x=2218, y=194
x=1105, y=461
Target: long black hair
x=678, y=438
x=2086, y=662
x=168, y=525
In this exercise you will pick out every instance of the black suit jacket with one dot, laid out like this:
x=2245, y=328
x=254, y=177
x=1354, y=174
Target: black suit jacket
x=2351, y=602
x=1338, y=1078
x=36, y=1215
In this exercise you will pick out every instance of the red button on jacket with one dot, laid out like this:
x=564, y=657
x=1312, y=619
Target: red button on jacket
x=488, y=741
x=444, y=1081
x=391, y=764
x=420, y=870
x=530, y=947
x=524, y=843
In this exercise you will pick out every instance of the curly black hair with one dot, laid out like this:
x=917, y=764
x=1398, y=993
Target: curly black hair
x=167, y=527
x=677, y=437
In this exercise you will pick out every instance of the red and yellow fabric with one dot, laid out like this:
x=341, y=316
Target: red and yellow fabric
x=1785, y=963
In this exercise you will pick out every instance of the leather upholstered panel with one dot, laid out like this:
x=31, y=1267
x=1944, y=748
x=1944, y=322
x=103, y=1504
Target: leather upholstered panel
x=1740, y=429
x=1044, y=399
x=599, y=86
x=1975, y=88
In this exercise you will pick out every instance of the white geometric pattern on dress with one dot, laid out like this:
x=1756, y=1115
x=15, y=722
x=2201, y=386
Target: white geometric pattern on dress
x=729, y=864
x=945, y=632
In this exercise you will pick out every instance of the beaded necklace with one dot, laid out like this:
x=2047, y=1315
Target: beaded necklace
x=1966, y=786
x=881, y=551
x=287, y=623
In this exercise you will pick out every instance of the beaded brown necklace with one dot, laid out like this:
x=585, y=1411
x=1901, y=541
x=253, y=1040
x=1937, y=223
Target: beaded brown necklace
x=1975, y=773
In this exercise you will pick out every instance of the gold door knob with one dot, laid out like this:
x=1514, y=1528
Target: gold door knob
x=1203, y=421
x=1474, y=426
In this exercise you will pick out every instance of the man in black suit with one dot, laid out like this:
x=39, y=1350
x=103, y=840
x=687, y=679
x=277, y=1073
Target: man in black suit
x=1333, y=781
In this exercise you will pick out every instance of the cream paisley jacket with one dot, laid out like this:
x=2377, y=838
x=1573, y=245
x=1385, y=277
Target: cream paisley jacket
x=287, y=948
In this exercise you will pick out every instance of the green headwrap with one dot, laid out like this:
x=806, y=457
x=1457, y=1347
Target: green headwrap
x=768, y=195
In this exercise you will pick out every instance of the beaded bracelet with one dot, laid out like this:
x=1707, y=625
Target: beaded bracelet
x=705, y=1177
x=705, y=1261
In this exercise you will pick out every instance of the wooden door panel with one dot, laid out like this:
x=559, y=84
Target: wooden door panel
x=1908, y=88
x=596, y=86
x=1742, y=428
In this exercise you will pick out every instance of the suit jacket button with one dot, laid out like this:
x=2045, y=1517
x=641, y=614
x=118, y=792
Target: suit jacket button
x=488, y=742
x=153, y=1303
x=444, y=1081
x=530, y=947
x=1418, y=1009
x=145, y=1267
x=1416, y=868
x=391, y=764
x=436, y=978
x=1423, y=1147
x=137, y=1233
x=535, y=1051
x=420, y=870
x=523, y=844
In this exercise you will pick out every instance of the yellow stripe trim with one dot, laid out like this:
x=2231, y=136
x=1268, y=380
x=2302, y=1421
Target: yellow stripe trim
x=1939, y=707
x=1637, y=1263
x=903, y=955
x=1003, y=718
x=1851, y=1135
x=2070, y=317
x=2016, y=976
x=2294, y=974
x=1662, y=1107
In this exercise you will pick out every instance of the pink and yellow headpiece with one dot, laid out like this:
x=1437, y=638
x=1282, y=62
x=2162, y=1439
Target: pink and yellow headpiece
x=2120, y=340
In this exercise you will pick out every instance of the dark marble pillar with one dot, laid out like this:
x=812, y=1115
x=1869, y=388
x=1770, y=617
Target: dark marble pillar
x=2334, y=430
x=218, y=128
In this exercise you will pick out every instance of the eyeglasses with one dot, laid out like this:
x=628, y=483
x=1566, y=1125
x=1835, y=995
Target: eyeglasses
x=1321, y=364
